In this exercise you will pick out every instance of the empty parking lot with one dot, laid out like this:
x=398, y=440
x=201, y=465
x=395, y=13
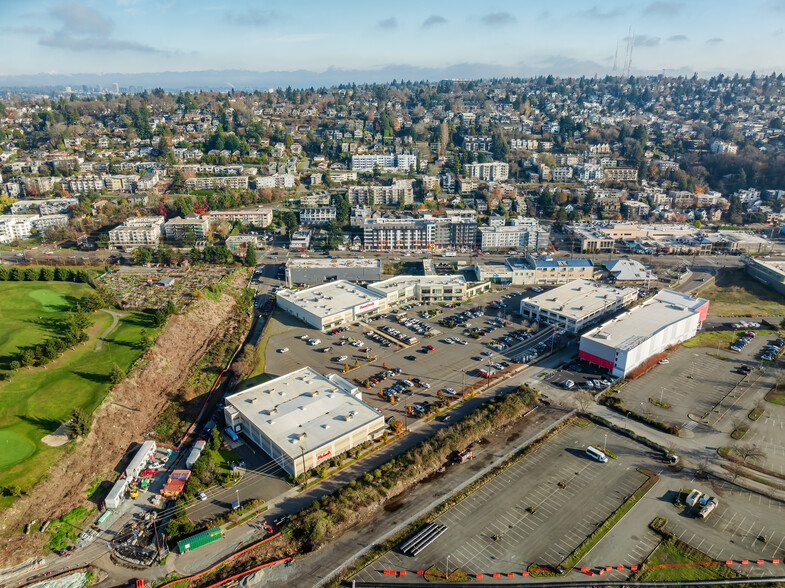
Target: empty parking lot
x=536, y=511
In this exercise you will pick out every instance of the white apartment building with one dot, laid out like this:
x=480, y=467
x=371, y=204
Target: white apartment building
x=276, y=181
x=386, y=163
x=84, y=183
x=318, y=215
x=144, y=231
x=513, y=237
x=15, y=227
x=399, y=191
x=175, y=228
x=235, y=182
x=260, y=217
x=489, y=172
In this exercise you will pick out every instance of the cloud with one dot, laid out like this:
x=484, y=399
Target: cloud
x=715, y=41
x=95, y=44
x=251, y=17
x=85, y=29
x=644, y=41
x=388, y=23
x=434, y=20
x=662, y=8
x=23, y=30
x=677, y=38
x=78, y=19
x=595, y=12
x=498, y=19
x=778, y=33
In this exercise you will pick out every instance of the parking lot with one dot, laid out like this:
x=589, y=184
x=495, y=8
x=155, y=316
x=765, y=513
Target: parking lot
x=695, y=380
x=445, y=370
x=536, y=511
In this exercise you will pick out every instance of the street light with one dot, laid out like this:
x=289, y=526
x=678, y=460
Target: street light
x=447, y=567
x=662, y=389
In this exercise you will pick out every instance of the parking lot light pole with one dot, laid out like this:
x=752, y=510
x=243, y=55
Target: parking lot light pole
x=447, y=567
x=605, y=443
x=662, y=389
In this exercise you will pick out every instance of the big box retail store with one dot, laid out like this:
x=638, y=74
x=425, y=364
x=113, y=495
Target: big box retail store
x=622, y=344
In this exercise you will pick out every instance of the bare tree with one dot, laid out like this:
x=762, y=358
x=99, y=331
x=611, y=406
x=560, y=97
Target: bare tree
x=749, y=452
x=584, y=399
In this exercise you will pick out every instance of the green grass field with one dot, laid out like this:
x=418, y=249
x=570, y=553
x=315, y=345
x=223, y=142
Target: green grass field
x=35, y=401
x=735, y=293
x=676, y=552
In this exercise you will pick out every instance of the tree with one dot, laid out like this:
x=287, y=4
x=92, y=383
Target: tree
x=170, y=308
x=250, y=256
x=342, y=209
x=749, y=452
x=145, y=341
x=289, y=220
x=117, y=375
x=545, y=205
x=80, y=422
x=499, y=147
x=215, y=439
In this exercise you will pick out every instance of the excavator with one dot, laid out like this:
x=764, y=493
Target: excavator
x=133, y=490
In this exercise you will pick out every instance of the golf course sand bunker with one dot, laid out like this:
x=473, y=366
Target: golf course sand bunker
x=58, y=438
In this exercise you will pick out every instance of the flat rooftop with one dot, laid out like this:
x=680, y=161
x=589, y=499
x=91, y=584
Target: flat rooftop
x=642, y=322
x=579, y=298
x=777, y=265
x=345, y=262
x=328, y=299
x=324, y=408
x=401, y=282
x=562, y=262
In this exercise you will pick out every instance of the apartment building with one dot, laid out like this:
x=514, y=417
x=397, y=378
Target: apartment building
x=386, y=163
x=143, y=231
x=513, y=237
x=175, y=228
x=620, y=174
x=317, y=215
x=211, y=183
x=14, y=227
x=401, y=191
x=257, y=216
x=489, y=172
x=276, y=181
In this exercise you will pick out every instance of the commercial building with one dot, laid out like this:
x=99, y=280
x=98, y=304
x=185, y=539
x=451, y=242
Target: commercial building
x=624, y=343
x=257, y=216
x=177, y=227
x=535, y=270
x=300, y=239
x=488, y=172
x=14, y=227
x=386, y=163
x=769, y=271
x=319, y=215
x=239, y=244
x=329, y=305
x=431, y=289
x=143, y=231
x=320, y=270
x=304, y=418
x=577, y=305
x=628, y=270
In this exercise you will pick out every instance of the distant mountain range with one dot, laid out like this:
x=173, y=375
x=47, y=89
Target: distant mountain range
x=256, y=80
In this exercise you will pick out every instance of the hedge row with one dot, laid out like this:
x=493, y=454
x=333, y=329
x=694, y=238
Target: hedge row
x=614, y=402
x=43, y=274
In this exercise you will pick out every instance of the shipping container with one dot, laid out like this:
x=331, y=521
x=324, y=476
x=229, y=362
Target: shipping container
x=199, y=540
x=106, y=514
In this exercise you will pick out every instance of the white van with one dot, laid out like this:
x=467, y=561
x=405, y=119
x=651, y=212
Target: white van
x=596, y=454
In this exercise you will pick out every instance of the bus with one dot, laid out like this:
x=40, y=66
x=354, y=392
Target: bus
x=596, y=454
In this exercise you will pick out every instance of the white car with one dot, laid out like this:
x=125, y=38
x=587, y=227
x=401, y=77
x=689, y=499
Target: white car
x=314, y=342
x=569, y=384
x=342, y=358
x=202, y=496
x=283, y=350
x=663, y=362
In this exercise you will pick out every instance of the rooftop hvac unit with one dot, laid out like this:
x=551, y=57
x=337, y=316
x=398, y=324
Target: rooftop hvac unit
x=301, y=436
x=272, y=411
x=348, y=417
x=313, y=393
x=251, y=400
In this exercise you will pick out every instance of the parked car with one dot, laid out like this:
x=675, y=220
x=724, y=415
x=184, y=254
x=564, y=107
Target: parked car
x=202, y=496
x=283, y=350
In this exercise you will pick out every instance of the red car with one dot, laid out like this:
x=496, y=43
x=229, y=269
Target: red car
x=148, y=472
x=431, y=347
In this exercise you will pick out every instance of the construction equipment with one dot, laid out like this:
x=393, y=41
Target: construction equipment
x=133, y=490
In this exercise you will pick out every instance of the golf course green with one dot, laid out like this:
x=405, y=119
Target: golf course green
x=35, y=401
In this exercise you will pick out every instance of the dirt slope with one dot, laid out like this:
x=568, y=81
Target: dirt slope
x=128, y=412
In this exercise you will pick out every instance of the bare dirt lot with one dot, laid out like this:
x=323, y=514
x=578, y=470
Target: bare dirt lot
x=129, y=411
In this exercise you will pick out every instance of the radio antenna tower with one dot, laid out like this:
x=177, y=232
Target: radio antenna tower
x=628, y=58
x=615, y=58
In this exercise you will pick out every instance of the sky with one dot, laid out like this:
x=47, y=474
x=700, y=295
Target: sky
x=562, y=37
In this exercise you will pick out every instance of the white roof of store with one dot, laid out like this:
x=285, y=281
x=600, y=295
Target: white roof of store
x=642, y=322
x=344, y=262
x=627, y=270
x=304, y=409
x=400, y=282
x=328, y=299
x=579, y=298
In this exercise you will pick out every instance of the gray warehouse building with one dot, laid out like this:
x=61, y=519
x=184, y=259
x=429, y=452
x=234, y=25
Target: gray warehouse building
x=318, y=271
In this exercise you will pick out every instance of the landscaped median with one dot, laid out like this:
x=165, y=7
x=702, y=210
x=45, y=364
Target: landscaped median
x=588, y=544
